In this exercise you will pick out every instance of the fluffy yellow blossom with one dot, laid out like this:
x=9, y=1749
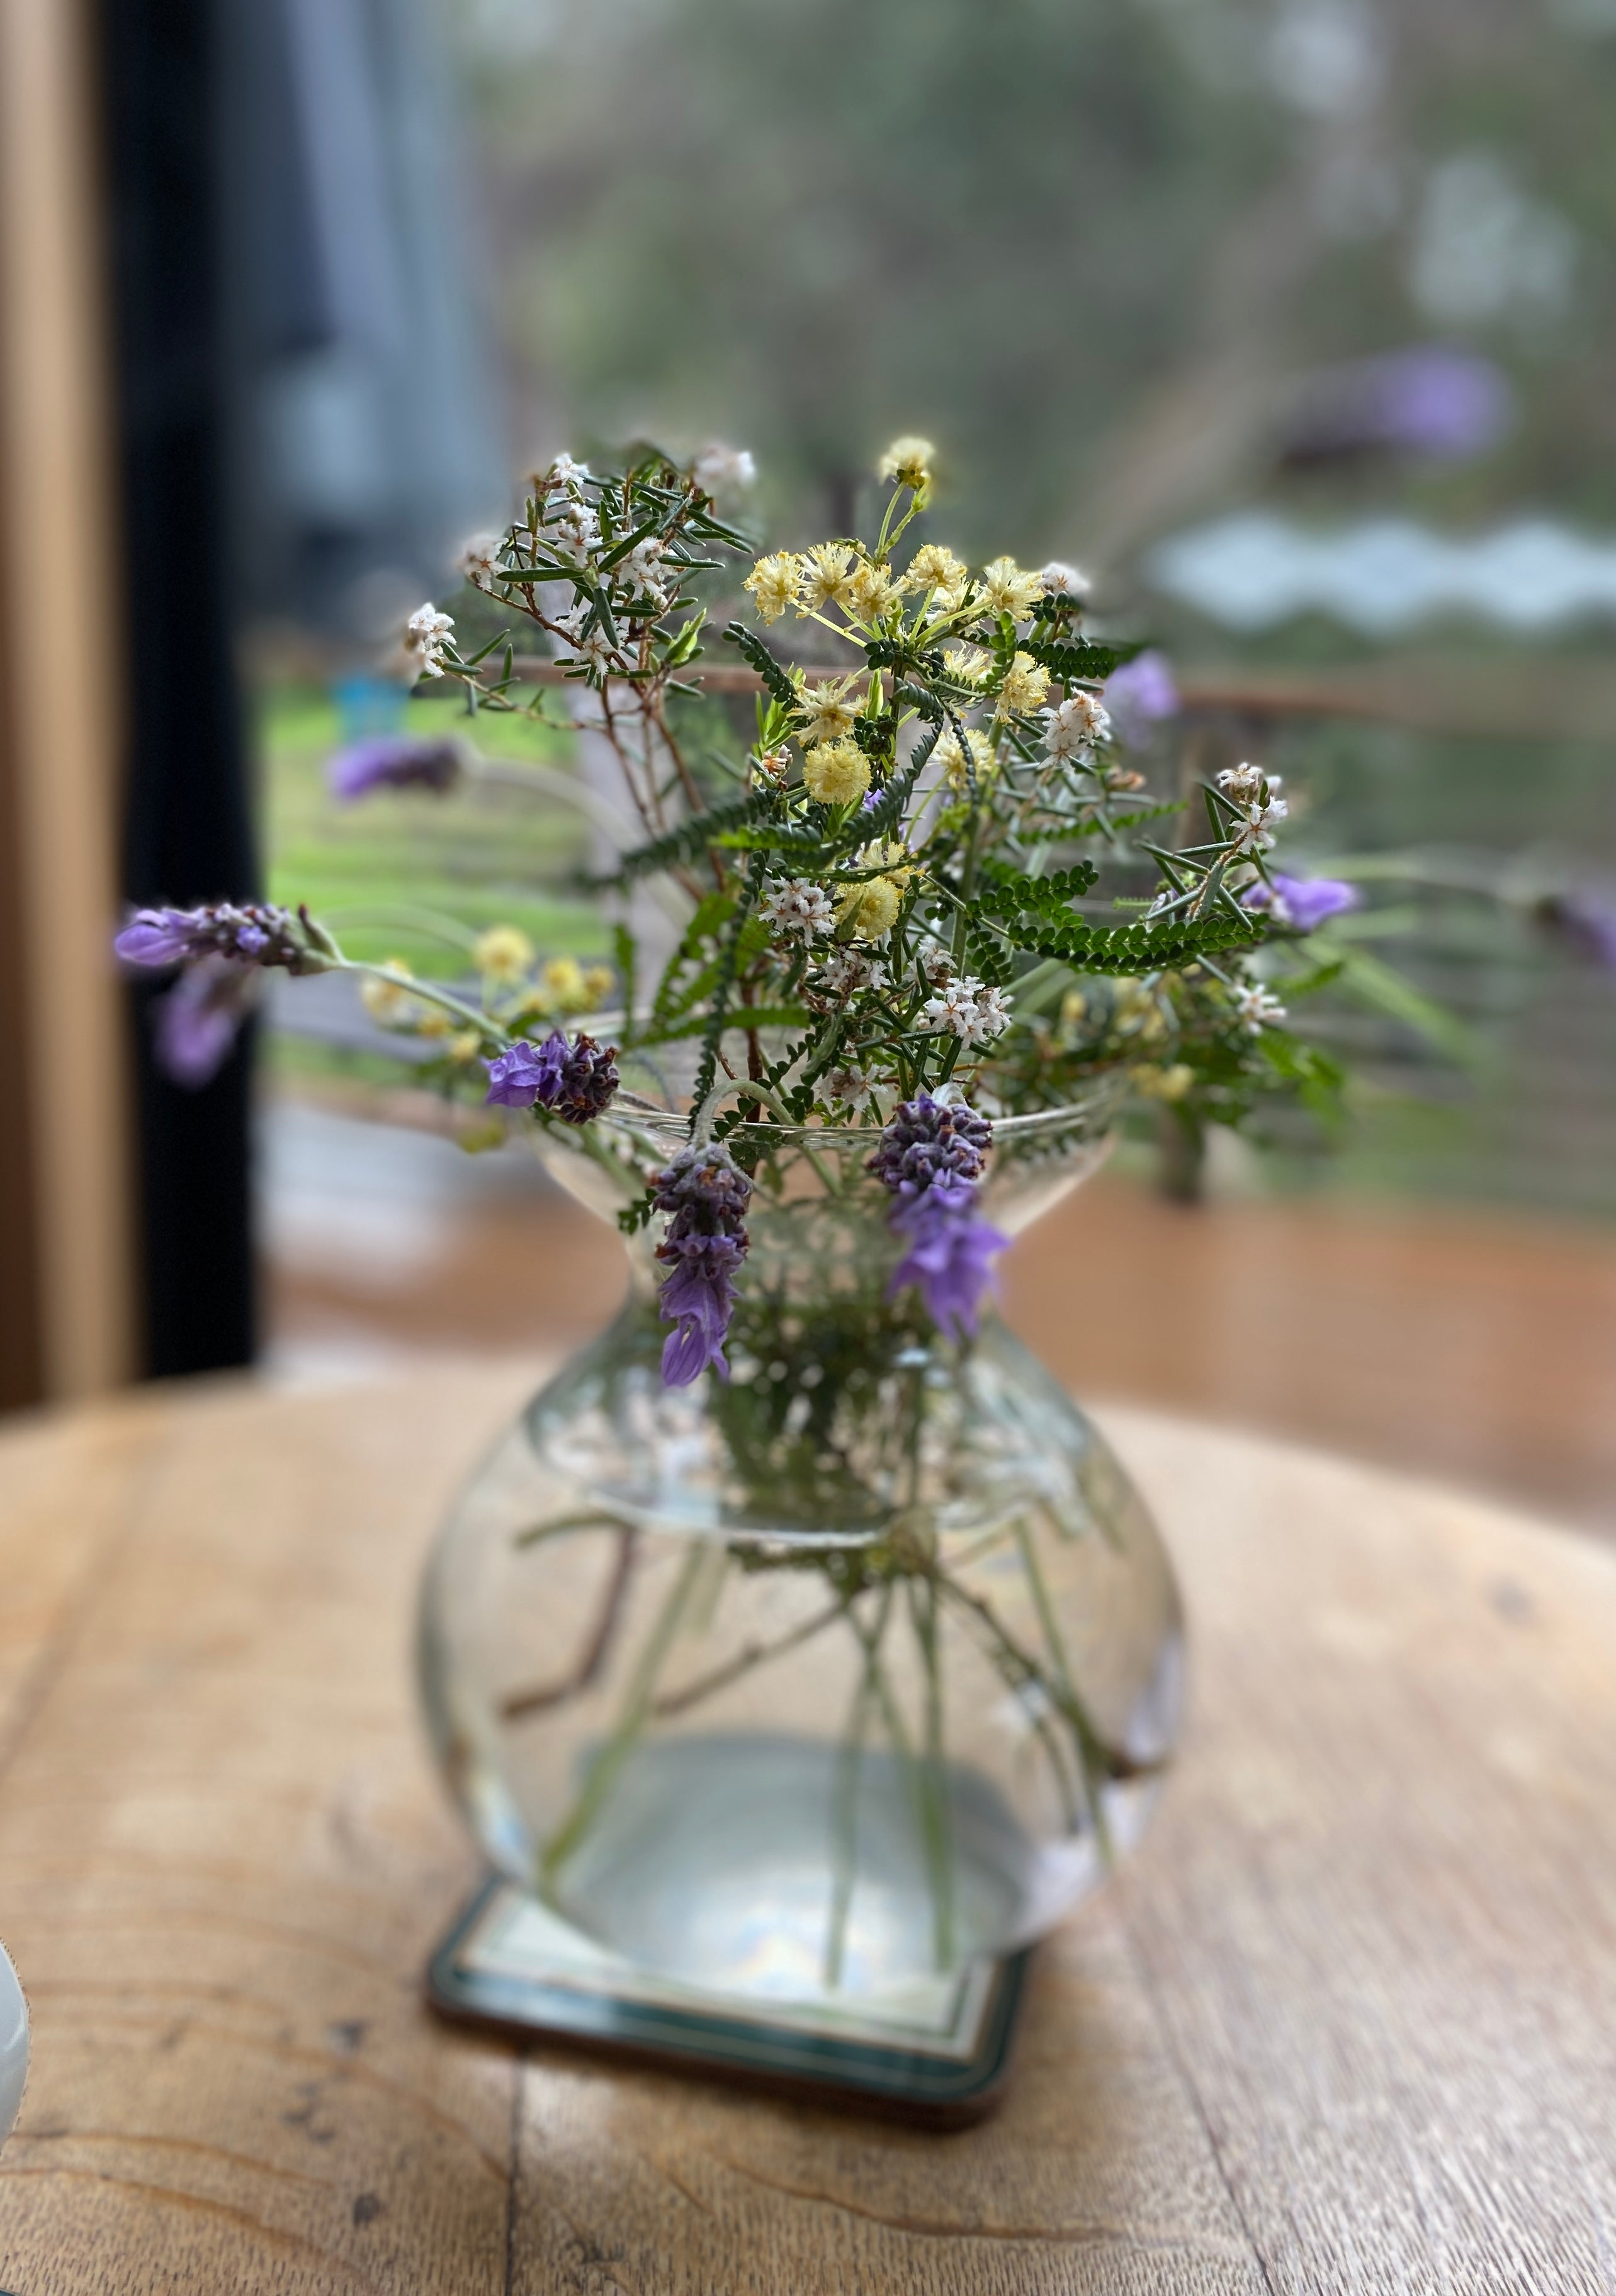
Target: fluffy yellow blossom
x=869, y=911
x=565, y=986
x=873, y=591
x=909, y=461
x=465, y=1044
x=504, y=953
x=827, y=711
x=836, y=773
x=967, y=664
x=824, y=572
x=891, y=855
x=1074, y=1007
x=388, y=1005
x=1026, y=682
x=1136, y=1013
x=1164, y=1083
x=935, y=567
x=775, y=583
x=1006, y=589
x=948, y=757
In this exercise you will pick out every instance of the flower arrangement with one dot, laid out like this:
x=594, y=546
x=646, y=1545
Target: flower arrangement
x=934, y=891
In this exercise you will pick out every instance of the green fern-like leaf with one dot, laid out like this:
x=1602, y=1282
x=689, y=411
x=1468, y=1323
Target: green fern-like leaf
x=1078, y=659
x=767, y=668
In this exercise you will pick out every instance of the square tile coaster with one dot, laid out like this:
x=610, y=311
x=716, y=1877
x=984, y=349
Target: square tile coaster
x=939, y=2051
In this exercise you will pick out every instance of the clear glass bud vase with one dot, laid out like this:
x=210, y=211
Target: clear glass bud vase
x=826, y=1679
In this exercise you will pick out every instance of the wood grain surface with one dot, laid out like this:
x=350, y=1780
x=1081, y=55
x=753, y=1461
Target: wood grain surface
x=1348, y=2023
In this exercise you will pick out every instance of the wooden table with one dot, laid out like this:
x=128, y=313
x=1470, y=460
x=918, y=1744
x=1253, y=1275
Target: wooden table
x=1348, y=2023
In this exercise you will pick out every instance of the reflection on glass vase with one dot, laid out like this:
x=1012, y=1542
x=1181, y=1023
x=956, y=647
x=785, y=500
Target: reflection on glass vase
x=828, y=1678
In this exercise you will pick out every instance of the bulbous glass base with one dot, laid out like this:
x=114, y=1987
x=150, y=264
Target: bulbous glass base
x=817, y=1683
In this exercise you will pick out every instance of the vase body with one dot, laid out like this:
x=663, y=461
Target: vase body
x=826, y=1679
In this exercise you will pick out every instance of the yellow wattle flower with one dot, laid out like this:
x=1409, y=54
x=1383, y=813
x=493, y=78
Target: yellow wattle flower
x=825, y=570
x=836, y=773
x=1007, y=589
x=869, y=910
x=775, y=584
x=504, y=953
x=1026, y=683
x=909, y=461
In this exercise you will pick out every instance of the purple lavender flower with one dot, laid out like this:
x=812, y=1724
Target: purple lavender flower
x=705, y=1196
x=950, y=1253
x=1140, y=696
x=526, y=1072
x=931, y=1157
x=196, y=1020
x=927, y=1139
x=1301, y=903
x=256, y=932
x=576, y=1082
x=393, y=761
x=698, y=1298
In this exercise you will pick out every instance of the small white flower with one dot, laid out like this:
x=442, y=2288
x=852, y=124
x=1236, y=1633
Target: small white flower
x=936, y=963
x=1257, y=1009
x=1242, y=784
x=1071, y=730
x=427, y=633
x=478, y=556
x=847, y=968
x=974, y=1012
x=563, y=471
x=1253, y=830
x=849, y=1087
x=795, y=905
x=1064, y=581
x=639, y=573
x=576, y=534
x=719, y=469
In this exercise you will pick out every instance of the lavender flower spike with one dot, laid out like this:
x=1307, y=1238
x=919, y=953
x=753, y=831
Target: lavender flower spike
x=393, y=761
x=255, y=932
x=196, y=1020
x=931, y=1157
x=576, y=1082
x=1301, y=903
x=950, y=1253
x=706, y=1197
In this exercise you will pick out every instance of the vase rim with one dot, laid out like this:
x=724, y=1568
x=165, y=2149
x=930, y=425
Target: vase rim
x=1097, y=1103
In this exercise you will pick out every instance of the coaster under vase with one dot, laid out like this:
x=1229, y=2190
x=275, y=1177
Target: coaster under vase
x=939, y=2052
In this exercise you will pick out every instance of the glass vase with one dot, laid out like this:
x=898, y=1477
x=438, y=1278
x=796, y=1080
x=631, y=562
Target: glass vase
x=825, y=1679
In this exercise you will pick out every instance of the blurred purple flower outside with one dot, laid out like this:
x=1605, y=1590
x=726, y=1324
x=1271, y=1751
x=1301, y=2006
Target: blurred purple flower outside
x=1141, y=696
x=1449, y=404
x=1588, y=921
x=393, y=761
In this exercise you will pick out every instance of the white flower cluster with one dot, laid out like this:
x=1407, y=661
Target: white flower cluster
x=795, y=905
x=1063, y=581
x=849, y=1088
x=426, y=636
x=719, y=469
x=590, y=646
x=1071, y=730
x=1258, y=1009
x=974, y=1012
x=845, y=970
x=1259, y=807
x=640, y=574
x=479, y=557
